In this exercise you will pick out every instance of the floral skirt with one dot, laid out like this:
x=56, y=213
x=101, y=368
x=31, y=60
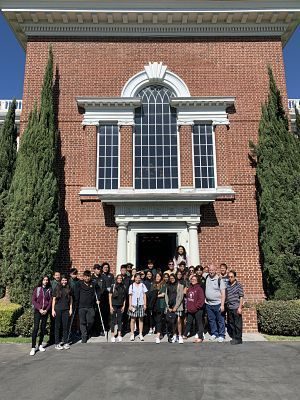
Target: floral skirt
x=138, y=312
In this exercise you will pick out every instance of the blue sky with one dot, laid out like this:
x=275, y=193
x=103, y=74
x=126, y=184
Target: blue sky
x=13, y=60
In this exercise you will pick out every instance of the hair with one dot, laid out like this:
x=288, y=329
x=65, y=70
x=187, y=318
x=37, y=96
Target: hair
x=123, y=266
x=150, y=273
x=174, y=276
x=177, y=254
x=195, y=276
x=87, y=273
x=60, y=286
x=180, y=272
x=97, y=266
x=56, y=272
x=223, y=265
x=105, y=263
x=232, y=271
x=182, y=263
x=40, y=283
x=166, y=274
x=171, y=261
x=73, y=271
x=158, y=285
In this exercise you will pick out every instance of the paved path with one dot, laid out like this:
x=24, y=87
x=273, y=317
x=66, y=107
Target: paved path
x=106, y=371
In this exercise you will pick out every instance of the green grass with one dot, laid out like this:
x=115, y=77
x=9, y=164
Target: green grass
x=275, y=338
x=17, y=339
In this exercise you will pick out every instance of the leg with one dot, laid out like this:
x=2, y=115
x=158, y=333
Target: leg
x=119, y=320
x=43, y=328
x=141, y=324
x=221, y=322
x=83, y=324
x=212, y=320
x=180, y=325
x=231, y=324
x=199, y=323
x=238, y=324
x=65, y=325
x=36, y=323
x=113, y=320
x=58, y=321
x=132, y=325
x=188, y=323
x=90, y=318
x=52, y=330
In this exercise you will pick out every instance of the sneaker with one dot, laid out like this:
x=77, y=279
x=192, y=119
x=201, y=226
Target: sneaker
x=213, y=337
x=59, y=347
x=120, y=339
x=150, y=331
x=157, y=340
x=173, y=339
x=32, y=352
x=41, y=348
x=113, y=339
x=203, y=337
x=66, y=346
x=196, y=336
x=142, y=338
x=220, y=339
x=180, y=339
x=132, y=338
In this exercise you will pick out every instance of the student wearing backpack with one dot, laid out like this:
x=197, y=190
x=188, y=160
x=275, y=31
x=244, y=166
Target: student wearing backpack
x=137, y=305
x=117, y=302
x=215, y=300
x=62, y=308
x=41, y=301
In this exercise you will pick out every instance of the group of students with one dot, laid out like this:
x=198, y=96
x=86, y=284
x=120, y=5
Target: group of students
x=180, y=302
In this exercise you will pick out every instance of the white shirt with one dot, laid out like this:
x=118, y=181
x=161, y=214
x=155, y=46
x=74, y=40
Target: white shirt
x=137, y=291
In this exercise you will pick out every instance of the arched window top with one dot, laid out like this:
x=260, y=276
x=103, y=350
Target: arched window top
x=155, y=73
x=156, y=94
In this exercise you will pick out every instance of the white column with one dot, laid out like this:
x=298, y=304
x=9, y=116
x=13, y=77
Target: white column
x=122, y=245
x=193, y=244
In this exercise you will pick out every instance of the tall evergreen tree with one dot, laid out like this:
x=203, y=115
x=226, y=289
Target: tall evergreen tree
x=297, y=122
x=278, y=196
x=31, y=233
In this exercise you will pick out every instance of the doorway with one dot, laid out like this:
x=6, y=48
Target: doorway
x=159, y=247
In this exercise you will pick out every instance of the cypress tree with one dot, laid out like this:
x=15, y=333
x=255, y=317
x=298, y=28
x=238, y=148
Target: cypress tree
x=278, y=198
x=297, y=122
x=31, y=233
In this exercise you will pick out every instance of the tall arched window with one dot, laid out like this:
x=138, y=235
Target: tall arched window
x=156, y=163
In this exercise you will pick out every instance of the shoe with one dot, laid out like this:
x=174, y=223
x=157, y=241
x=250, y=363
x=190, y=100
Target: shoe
x=213, y=337
x=41, y=348
x=132, y=338
x=236, y=341
x=157, y=340
x=59, y=347
x=196, y=336
x=180, y=340
x=113, y=339
x=32, y=351
x=120, y=339
x=203, y=337
x=184, y=337
x=66, y=346
x=220, y=339
x=173, y=339
x=150, y=331
x=142, y=338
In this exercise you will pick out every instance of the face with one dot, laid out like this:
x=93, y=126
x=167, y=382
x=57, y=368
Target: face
x=191, y=271
x=223, y=269
x=149, y=275
x=73, y=275
x=180, y=250
x=181, y=268
x=172, y=279
x=205, y=269
x=179, y=275
x=137, y=279
x=150, y=265
x=123, y=271
x=142, y=275
x=171, y=265
x=231, y=277
x=194, y=280
x=133, y=271
x=212, y=270
x=119, y=279
x=57, y=276
x=97, y=271
x=64, y=281
x=87, y=279
x=166, y=278
x=45, y=281
x=199, y=272
x=105, y=269
x=157, y=279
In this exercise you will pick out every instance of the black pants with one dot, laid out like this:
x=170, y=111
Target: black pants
x=105, y=310
x=197, y=316
x=171, y=326
x=116, y=318
x=39, y=320
x=159, y=321
x=126, y=318
x=235, y=322
x=62, y=319
x=86, y=318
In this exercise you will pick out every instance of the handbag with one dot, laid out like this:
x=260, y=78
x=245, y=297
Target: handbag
x=171, y=316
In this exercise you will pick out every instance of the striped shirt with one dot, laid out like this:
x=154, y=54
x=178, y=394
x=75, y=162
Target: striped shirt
x=233, y=294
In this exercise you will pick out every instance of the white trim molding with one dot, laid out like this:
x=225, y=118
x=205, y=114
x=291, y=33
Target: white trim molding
x=155, y=73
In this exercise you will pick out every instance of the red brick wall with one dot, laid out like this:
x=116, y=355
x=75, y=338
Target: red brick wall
x=221, y=67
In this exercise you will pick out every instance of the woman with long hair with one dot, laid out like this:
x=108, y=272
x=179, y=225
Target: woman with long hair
x=174, y=307
x=137, y=305
x=117, y=301
x=62, y=305
x=148, y=320
x=159, y=305
x=41, y=301
x=180, y=255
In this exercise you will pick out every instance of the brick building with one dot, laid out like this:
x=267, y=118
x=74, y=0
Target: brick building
x=156, y=103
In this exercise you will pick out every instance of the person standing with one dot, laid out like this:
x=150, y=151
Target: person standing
x=159, y=305
x=41, y=301
x=54, y=282
x=174, y=307
x=148, y=320
x=171, y=268
x=85, y=298
x=195, y=301
x=234, y=302
x=150, y=267
x=126, y=282
x=137, y=305
x=99, y=281
x=62, y=304
x=117, y=302
x=109, y=281
x=215, y=299
x=223, y=273
x=180, y=255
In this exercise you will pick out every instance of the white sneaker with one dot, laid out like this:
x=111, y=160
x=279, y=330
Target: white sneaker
x=66, y=346
x=157, y=340
x=41, y=348
x=180, y=340
x=150, y=331
x=113, y=339
x=142, y=338
x=174, y=339
x=59, y=347
x=196, y=336
x=221, y=339
x=32, y=351
x=132, y=338
x=120, y=339
x=213, y=337
x=203, y=337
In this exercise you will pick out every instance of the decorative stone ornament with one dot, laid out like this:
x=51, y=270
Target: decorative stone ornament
x=155, y=71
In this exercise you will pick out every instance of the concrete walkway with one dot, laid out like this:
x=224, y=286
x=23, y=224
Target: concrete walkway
x=136, y=371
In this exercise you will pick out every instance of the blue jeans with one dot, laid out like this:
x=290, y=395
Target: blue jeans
x=216, y=320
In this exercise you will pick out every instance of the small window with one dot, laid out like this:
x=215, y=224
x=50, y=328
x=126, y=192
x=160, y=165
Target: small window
x=204, y=156
x=108, y=162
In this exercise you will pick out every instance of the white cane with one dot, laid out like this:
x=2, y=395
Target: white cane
x=97, y=300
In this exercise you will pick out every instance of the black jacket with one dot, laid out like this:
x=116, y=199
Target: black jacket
x=85, y=295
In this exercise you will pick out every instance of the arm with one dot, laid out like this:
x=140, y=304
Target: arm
x=200, y=299
x=110, y=302
x=241, y=294
x=145, y=300
x=222, y=300
x=50, y=303
x=34, y=300
x=71, y=305
x=53, y=306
